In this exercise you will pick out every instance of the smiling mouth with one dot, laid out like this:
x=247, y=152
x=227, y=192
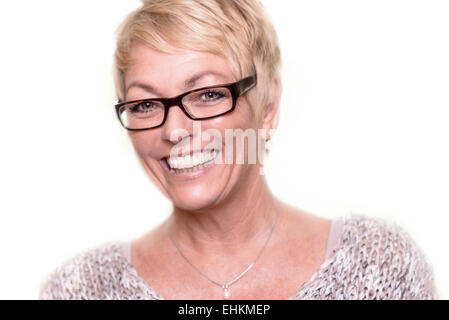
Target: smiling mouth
x=190, y=163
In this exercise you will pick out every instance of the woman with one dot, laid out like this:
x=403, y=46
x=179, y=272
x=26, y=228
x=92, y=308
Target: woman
x=198, y=84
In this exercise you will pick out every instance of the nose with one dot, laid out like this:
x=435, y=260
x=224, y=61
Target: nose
x=177, y=125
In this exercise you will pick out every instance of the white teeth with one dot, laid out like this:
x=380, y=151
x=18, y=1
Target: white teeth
x=189, y=161
x=174, y=163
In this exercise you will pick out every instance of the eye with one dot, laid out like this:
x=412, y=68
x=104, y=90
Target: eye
x=143, y=107
x=211, y=95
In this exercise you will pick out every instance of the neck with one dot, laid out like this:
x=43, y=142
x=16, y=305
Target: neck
x=244, y=218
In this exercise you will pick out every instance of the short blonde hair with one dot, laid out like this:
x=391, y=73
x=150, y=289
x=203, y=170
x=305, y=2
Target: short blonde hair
x=238, y=30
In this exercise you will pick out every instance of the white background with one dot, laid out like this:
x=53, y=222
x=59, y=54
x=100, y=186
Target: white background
x=363, y=129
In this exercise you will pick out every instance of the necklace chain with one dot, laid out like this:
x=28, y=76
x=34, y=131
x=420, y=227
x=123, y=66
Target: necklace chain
x=225, y=286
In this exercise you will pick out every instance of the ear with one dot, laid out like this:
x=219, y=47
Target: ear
x=270, y=118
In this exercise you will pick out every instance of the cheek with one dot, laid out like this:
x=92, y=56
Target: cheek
x=241, y=118
x=143, y=142
x=246, y=117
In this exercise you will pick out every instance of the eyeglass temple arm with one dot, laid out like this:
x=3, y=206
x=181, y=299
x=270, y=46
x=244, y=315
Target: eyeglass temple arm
x=247, y=83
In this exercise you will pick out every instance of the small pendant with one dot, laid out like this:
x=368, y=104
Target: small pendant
x=227, y=294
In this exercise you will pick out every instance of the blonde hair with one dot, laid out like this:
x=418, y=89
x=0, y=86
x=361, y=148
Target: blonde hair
x=238, y=30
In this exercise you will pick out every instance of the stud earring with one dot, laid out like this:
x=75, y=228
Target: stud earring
x=268, y=144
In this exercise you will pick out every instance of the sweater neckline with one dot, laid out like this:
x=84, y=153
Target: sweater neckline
x=152, y=293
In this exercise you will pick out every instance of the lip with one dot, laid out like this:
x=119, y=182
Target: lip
x=187, y=175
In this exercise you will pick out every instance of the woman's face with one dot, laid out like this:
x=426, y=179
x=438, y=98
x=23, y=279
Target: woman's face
x=170, y=75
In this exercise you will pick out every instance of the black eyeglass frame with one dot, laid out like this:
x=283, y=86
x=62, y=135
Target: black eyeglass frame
x=236, y=88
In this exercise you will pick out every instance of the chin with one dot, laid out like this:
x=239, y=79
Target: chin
x=196, y=198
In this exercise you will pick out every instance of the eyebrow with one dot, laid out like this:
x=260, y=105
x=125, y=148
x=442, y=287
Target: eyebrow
x=188, y=84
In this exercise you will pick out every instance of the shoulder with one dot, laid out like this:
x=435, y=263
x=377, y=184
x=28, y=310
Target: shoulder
x=384, y=259
x=92, y=274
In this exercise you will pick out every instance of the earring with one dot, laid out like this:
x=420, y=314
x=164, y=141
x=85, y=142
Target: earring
x=268, y=144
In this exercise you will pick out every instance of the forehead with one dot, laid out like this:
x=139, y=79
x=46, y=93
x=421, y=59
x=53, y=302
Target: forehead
x=147, y=63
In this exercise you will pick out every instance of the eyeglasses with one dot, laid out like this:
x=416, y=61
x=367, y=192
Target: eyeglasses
x=199, y=104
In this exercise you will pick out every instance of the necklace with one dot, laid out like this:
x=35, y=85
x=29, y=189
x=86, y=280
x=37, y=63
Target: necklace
x=225, y=286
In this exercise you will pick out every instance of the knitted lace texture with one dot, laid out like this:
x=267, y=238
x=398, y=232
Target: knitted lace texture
x=373, y=260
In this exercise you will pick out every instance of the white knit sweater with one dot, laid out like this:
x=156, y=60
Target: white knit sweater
x=373, y=259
